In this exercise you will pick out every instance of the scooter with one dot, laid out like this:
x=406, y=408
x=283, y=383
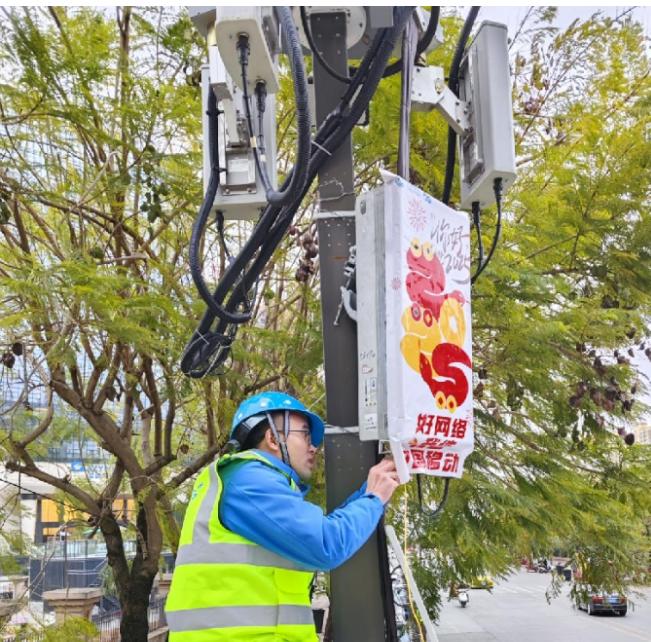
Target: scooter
x=463, y=598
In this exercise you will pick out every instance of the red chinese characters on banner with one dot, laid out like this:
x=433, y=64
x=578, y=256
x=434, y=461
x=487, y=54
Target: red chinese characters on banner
x=441, y=425
x=429, y=413
x=432, y=460
x=440, y=432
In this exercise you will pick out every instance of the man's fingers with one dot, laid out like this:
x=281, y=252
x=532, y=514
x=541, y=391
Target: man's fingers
x=393, y=477
x=388, y=463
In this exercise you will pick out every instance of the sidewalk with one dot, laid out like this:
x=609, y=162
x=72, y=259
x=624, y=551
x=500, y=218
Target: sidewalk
x=458, y=626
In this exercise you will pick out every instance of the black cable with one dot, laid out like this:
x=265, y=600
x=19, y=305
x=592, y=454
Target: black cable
x=453, y=79
x=391, y=69
x=449, y=165
x=315, y=50
x=476, y=219
x=361, y=75
x=322, y=151
x=346, y=121
x=332, y=121
x=219, y=221
x=202, y=219
x=497, y=189
x=208, y=349
x=205, y=344
x=295, y=181
x=436, y=513
x=261, y=107
x=299, y=174
x=422, y=45
x=204, y=212
x=453, y=83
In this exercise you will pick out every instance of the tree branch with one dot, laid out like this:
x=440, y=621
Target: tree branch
x=105, y=427
x=109, y=381
x=211, y=432
x=32, y=470
x=152, y=393
x=43, y=425
x=194, y=467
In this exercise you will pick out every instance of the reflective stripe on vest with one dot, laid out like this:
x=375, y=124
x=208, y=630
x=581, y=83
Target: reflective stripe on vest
x=216, y=553
x=239, y=616
x=223, y=582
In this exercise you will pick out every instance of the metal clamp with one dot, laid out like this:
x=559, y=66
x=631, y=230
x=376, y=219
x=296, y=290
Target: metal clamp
x=348, y=291
x=336, y=214
x=341, y=430
x=429, y=91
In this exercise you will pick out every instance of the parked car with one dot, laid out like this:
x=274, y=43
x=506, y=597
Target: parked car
x=603, y=602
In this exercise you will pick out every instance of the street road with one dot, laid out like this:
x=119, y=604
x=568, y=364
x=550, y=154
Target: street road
x=516, y=611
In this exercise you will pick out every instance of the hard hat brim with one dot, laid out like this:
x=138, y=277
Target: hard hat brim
x=317, y=427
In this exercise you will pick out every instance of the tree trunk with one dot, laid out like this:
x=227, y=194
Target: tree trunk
x=133, y=584
x=134, y=626
x=115, y=554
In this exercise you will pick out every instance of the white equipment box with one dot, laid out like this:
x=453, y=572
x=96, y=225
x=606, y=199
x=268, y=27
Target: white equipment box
x=413, y=328
x=487, y=151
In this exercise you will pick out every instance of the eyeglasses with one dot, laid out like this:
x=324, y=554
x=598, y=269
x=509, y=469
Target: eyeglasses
x=307, y=435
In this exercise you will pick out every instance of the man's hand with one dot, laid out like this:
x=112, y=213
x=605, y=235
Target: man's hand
x=383, y=480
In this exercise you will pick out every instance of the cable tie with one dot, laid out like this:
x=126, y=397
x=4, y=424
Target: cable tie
x=322, y=148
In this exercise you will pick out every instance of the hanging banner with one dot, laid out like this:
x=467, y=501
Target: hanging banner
x=429, y=342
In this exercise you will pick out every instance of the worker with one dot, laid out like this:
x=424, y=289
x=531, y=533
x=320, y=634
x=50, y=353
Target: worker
x=250, y=543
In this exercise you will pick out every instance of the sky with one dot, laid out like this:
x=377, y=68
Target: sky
x=512, y=16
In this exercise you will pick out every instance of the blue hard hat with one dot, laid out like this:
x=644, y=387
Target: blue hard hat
x=265, y=402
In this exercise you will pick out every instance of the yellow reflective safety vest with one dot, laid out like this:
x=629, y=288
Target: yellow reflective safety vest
x=226, y=587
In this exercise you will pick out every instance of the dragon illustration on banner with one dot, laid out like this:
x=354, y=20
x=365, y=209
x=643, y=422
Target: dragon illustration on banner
x=435, y=328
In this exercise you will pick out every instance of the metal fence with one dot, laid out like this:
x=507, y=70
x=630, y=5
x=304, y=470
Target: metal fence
x=108, y=624
x=80, y=564
x=6, y=590
x=156, y=613
x=77, y=548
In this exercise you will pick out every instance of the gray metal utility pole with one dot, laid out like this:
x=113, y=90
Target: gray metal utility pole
x=356, y=588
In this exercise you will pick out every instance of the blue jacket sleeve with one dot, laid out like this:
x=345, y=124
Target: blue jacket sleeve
x=258, y=503
x=358, y=493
